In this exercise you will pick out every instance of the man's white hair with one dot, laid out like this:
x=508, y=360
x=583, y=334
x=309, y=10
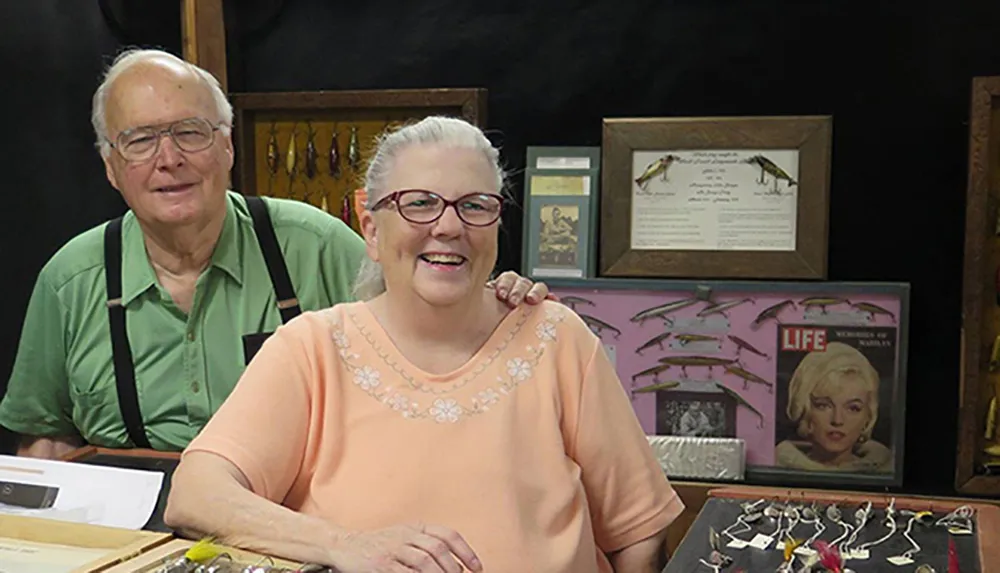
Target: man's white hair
x=136, y=56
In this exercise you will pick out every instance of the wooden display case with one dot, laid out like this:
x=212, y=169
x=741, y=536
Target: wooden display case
x=152, y=561
x=978, y=438
x=321, y=121
x=65, y=546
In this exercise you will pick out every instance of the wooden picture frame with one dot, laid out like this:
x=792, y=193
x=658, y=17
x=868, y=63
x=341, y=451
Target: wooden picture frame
x=695, y=226
x=349, y=119
x=980, y=309
x=560, y=212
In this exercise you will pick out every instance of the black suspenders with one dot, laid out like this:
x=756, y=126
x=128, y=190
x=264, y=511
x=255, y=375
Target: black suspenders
x=128, y=398
x=121, y=352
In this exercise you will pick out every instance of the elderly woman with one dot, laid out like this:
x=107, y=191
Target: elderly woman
x=429, y=426
x=833, y=401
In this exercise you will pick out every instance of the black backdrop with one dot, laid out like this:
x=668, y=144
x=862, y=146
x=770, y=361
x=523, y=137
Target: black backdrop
x=894, y=75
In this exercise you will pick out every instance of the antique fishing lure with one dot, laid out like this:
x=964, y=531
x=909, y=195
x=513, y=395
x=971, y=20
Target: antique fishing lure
x=722, y=307
x=599, y=325
x=323, y=204
x=656, y=387
x=873, y=309
x=772, y=169
x=291, y=161
x=345, y=209
x=663, y=309
x=657, y=340
x=744, y=345
x=272, y=151
x=740, y=400
x=685, y=339
x=654, y=371
x=571, y=301
x=353, y=150
x=696, y=361
x=658, y=167
x=290, y=156
x=311, y=154
x=334, y=155
x=749, y=377
x=202, y=552
x=771, y=313
x=822, y=302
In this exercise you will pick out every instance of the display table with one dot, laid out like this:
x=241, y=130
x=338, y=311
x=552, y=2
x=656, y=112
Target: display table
x=977, y=552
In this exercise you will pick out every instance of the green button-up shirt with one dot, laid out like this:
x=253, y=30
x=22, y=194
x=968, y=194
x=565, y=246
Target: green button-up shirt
x=63, y=380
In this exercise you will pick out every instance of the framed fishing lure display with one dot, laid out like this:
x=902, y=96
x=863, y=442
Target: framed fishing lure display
x=978, y=459
x=315, y=146
x=811, y=376
x=560, y=212
x=715, y=198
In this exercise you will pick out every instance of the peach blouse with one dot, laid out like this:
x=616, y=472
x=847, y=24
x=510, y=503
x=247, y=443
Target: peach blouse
x=531, y=450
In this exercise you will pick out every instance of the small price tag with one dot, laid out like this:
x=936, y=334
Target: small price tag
x=737, y=544
x=761, y=541
x=780, y=546
x=859, y=554
x=899, y=560
x=804, y=551
x=959, y=531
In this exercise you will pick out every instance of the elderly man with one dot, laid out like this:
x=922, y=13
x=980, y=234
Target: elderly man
x=137, y=330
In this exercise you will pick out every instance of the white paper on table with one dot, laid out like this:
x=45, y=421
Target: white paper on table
x=98, y=495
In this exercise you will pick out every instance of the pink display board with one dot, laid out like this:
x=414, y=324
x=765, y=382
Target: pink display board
x=810, y=375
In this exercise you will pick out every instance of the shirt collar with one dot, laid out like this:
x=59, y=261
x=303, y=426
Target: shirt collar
x=138, y=274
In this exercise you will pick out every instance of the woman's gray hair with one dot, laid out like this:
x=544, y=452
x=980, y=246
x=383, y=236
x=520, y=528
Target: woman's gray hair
x=433, y=130
x=133, y=57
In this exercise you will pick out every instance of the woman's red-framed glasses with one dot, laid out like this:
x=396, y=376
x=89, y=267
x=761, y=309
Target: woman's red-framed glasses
x=422, y=207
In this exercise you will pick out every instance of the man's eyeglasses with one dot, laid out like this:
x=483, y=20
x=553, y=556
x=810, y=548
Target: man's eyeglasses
x=419, y=206
x=141, y=143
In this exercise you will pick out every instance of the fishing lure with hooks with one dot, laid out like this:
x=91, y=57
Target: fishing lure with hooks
x=345, y=209
x=272, y=156
x=890, y=523
x=958, y=521
x=311, y=154
x=291, y=160
x=353, y=150
x=334, y=156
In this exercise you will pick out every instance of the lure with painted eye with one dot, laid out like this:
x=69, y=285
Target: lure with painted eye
x=345, y=209
x=290, y=157
x=353, y=152
x=272, y=151
x=311, y=154
x=334, y=157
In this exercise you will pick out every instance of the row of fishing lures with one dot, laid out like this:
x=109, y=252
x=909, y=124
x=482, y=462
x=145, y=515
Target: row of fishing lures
x=722, y=308
x=312, y=153
x=816, y=555
x=659, y=167
x=206, y=557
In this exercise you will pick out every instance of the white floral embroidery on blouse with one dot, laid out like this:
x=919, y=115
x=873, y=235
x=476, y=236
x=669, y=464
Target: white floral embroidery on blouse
x=447, y=410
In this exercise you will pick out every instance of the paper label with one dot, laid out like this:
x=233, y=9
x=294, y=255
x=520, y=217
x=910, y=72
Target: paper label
x=804, y=551
x=780, y=546
x=761, y=541
x=857, y=554
x=959, y=531
x=737, y=544
x=899, y=560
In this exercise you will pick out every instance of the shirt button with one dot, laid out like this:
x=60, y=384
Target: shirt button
x=191, y=335
x=195, y=387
